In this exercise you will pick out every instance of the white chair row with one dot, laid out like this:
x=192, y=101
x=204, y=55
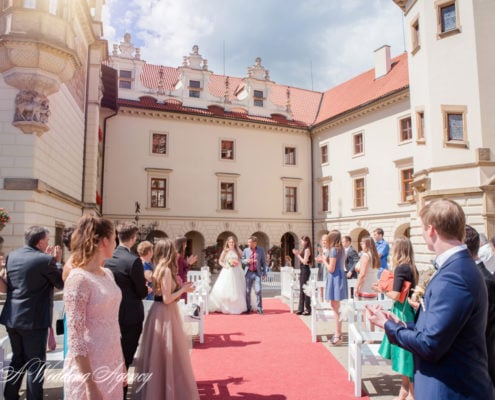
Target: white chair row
x=364, y=342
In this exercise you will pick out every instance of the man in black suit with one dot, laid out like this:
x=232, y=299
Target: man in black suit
x=472, y=241
x=351, y=258
x=128, y=271
x=27, y=313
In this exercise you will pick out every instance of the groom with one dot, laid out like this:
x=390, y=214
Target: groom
x=254, y=262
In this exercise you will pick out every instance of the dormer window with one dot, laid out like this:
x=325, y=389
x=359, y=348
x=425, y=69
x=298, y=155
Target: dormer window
x=194, y=89
x=258, y=98
x=125, y=79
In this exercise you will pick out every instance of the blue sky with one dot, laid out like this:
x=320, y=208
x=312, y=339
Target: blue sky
x=312, y=44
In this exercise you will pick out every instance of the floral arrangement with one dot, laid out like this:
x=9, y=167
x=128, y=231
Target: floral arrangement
x=4, y=217
x=417, y=296
x=233, y=262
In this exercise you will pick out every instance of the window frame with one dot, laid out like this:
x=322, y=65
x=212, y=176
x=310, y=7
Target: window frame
x=287, y=183
x=415, y=35
x=324, y=159
x=167, y=143
x=258, y=98
x=420, y=127
x=448, y=110
x=125, y=79
x=354, y=136
x=358, y=174
x=325, y=197
x=408, y=139
x=233, y=157
x=441, y=5
x=194, y=91
x=287, y=156
x=223, y=203
x=355, y=189
x=162, y=174
x=405, y=198
x=227, y=178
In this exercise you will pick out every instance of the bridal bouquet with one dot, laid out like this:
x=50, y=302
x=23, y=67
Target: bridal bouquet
x=233, y=262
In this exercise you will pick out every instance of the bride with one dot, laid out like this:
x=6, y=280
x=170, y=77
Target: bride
x=228, y=295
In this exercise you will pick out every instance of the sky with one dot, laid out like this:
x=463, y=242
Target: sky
x=310, y=44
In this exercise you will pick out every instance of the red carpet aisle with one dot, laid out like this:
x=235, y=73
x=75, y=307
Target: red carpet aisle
x=269, y=357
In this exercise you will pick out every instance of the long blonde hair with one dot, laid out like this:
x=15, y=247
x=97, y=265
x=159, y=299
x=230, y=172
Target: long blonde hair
x=402, y=253
x=165, y=256
x=226, y=246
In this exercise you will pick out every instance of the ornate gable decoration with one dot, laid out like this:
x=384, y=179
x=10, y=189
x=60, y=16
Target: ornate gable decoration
x=257, y=71
x=127, y=49
x=195, y=60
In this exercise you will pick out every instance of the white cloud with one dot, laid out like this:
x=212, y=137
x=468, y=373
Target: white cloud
x=337, y=38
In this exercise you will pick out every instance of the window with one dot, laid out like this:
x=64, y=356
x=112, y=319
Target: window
x=420, y=127
x=324, y=154
x=406, y=177
x=125, y=79
x=227, y=150
x=325, y=197
x=53, y=6
x=159, y=143
x=290, y=199
x=290, y=156
x=194, y=89
x=447, y=18
x=415, y=36
x=358, y=143
x=258, y=98
x=227, y=196
x=158, y=193
x=29, y=4
x=454, y=125
x=405, y=129
x=359, y=199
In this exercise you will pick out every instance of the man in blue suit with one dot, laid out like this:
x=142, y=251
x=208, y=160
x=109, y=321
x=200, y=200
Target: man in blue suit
x=254, y=262
x=448, y=337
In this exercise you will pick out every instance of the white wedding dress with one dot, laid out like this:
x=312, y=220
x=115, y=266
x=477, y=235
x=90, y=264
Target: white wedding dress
x=228, y=295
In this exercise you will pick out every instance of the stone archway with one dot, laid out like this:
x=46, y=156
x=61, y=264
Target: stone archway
x=403, y=230
x=356, y=235
x=263, y=240
x=287, y=243
x=195, y=245
x=222, y=238
x=155, y=235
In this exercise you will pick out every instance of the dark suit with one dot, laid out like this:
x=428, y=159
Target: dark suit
x=254, y=277
x=490, y=323
x=128, y=271
x=448, y=338
x=27, y=314
x=351, y=259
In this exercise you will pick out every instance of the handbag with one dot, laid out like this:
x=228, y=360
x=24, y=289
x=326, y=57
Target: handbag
x=386, y=284
x=52, y=344
x=59, y=326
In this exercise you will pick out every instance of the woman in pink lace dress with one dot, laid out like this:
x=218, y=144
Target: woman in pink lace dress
x=94, y=367
x=164, y=351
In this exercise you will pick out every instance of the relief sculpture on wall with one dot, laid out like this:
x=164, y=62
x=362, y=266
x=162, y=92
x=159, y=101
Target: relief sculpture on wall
x=32, y=110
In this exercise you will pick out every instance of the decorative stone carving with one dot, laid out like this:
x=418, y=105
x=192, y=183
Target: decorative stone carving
x=195, y=60
x=257, y=71
x=32, y=110
x=127, y=49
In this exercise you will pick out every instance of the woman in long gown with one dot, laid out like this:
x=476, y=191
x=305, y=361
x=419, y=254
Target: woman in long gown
x=164, y=352
x=90, y=296
x=228, y=295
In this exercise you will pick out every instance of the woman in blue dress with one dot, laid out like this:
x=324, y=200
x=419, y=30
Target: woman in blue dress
x=336, y=283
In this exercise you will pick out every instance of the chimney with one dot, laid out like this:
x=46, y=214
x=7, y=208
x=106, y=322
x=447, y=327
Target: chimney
x=382, y=61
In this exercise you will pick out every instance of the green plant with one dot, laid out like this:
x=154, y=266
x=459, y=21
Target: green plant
x=212, y=253
x=4, y=217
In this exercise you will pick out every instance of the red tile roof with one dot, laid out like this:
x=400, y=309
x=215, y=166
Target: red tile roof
x=364, y=89
x=308, y=107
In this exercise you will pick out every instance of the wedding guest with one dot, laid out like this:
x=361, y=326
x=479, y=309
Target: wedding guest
x=323, y=251
x=254, y=261
x=90, y=296
x=382, y=248
x=336, y=284
x=351, y=257
x=145, y=252
x=368, y=264
x=129, y=276
x=472, y=241
x=228, y=295
x=164, y=352
x=485, y=253
x=183, y=262
x=306, y=260
x=448, y=337
x=32, y=274
x=404, y=271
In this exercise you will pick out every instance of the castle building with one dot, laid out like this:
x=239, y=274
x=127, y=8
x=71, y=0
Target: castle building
x=185, y=151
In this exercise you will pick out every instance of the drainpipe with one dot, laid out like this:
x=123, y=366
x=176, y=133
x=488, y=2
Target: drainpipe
x=103, y=155
x=312, y=193
x=88, y=63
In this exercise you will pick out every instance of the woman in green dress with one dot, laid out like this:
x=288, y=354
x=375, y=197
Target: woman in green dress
x=405, y=270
